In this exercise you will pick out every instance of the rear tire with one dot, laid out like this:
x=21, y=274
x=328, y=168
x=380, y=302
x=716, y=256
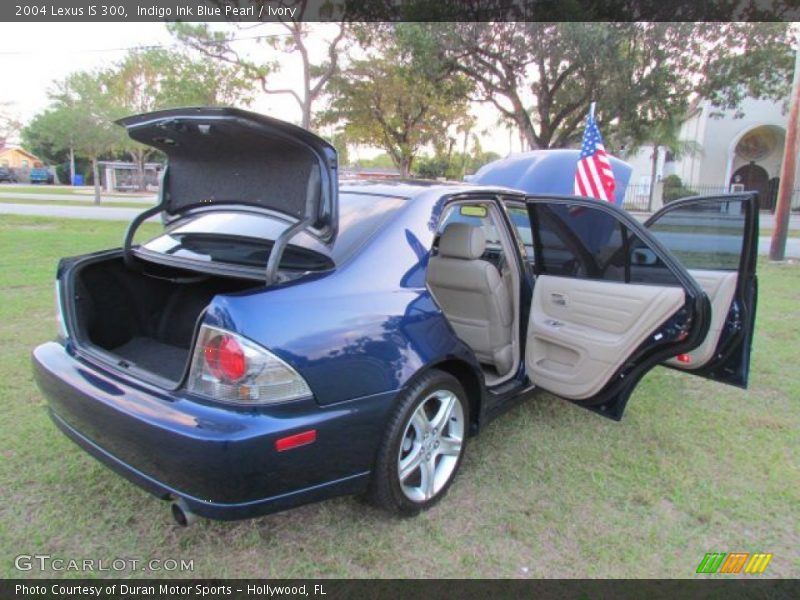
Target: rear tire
x=423, y=446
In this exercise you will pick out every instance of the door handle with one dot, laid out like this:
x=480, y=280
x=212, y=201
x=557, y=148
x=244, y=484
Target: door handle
x=553, y=323
x=558, y=298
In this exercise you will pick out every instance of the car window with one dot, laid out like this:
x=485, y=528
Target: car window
x=704, y=234
x=477, y=215
x=469, y=214
x=245, y=238
x=589, y=243
x=522, y=223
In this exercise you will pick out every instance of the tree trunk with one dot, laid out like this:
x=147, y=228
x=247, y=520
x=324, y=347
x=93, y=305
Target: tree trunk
x=96, y=178
x=140, y=182
x=653, y=178
x=405, y=167
x=464, y=153
x=71, y=166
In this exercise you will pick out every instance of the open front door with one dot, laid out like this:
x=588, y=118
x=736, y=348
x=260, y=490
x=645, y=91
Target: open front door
x=715, y=239
x=598, y=323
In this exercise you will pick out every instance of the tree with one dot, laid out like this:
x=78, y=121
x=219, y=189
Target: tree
x=81, y=118
x=156, y=79
x=665, y=134
x=9, y=125
x=316, y=75
x=397, y=98
x=50, y=136
x=543, y=76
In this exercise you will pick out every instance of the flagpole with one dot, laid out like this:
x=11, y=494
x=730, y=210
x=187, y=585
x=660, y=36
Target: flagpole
x=591, y=110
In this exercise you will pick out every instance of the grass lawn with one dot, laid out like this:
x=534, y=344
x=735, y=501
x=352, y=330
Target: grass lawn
x=87, y=202
x=63, y=190
x=37, y=189
x=548, y=490
x=792, y=233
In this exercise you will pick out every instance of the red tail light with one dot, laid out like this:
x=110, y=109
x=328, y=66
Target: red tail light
x=684, y=358
x=225, y=358
x=231, y=368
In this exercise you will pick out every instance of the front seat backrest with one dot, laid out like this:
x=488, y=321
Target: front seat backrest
x=472, y=295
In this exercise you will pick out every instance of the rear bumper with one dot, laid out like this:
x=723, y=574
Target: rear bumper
x=221, y=460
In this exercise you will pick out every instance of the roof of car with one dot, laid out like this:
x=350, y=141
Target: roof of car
x=403, y=188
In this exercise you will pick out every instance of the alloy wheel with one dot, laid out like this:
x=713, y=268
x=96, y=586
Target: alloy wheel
x=431, y=445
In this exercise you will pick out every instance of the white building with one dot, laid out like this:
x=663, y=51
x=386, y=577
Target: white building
x=743, y=153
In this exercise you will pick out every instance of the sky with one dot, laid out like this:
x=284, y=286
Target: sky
x=33, y=55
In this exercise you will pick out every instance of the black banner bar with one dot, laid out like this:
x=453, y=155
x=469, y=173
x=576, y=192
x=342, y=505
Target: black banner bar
x=321, y=589
x=397, y=10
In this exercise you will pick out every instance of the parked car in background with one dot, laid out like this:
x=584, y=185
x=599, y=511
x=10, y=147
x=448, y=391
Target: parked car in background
x=41, y=174
x=287, y=339
x=7, y=175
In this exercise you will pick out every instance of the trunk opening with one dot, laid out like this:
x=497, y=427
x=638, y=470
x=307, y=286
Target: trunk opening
x=144, y=318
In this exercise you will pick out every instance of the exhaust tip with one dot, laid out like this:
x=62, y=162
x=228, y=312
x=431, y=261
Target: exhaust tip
x=181, y=513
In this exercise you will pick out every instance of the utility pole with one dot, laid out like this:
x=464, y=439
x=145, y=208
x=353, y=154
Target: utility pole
x=777, y=249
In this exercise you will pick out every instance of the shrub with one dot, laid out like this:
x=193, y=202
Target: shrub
x=675, y=190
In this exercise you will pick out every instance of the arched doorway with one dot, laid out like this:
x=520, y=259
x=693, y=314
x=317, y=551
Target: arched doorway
x=756, y=179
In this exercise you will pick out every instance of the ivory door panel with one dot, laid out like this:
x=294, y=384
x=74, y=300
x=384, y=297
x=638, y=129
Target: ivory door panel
x=720, y=287
x=581, y=331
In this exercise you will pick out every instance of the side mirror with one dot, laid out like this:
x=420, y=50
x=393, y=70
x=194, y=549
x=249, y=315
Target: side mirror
x=643, y=257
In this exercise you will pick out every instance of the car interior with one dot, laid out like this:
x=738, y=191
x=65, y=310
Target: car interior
x=477, y=290
x=601, y=292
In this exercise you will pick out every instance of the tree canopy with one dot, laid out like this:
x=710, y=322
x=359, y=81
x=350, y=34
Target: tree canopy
x=316, y=72
x=398, y=98
x=543, y=76
x=84, y=106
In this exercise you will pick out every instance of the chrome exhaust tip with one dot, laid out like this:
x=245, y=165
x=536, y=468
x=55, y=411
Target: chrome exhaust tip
x=182, y=514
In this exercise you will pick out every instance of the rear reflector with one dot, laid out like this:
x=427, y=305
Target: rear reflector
x=684, y=358
x=296, y=440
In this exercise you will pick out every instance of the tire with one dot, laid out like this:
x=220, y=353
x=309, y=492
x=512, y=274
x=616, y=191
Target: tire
x=426, y=438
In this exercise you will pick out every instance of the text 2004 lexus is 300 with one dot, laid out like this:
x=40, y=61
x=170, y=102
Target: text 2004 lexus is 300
x=289, y=338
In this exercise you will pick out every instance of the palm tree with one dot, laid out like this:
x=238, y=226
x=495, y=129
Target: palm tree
x=665, y=134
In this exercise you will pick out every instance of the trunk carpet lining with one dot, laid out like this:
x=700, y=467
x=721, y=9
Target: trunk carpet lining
x=154, y=356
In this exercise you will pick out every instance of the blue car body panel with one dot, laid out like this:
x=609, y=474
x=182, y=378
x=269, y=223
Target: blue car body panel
x=358, y=335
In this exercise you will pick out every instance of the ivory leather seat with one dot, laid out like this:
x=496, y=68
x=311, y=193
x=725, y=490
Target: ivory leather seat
x=472, y=295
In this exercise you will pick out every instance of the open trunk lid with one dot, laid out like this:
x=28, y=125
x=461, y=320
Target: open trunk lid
x=226, y=156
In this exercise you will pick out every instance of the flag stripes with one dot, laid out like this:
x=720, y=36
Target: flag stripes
x=594, y=177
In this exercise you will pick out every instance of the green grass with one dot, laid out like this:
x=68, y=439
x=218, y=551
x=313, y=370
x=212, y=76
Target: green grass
x=88, y=202
x=792, y=233
x=37, y=189
x=61, y=190
x=548, y=490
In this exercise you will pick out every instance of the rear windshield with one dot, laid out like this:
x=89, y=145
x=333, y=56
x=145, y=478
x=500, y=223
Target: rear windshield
x=245, y=239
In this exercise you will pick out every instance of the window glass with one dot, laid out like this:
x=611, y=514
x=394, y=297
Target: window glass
x=246, y=238
x=469, y=214
x=477, y=216
x=579, y=241
x=522, y=223
x=645, y=266
x=705, y=234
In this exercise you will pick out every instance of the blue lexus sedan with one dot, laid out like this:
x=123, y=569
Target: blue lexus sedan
x=290, y=337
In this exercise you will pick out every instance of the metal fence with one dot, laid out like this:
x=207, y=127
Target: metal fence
x=637, y=197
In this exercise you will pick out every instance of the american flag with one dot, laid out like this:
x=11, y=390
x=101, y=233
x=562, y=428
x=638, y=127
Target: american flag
x=594, y=177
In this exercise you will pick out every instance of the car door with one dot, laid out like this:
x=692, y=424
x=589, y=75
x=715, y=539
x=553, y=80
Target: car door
x=597, y=324
x=716, y=240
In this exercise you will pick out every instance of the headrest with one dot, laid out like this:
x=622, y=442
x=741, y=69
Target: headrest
x=460, y=240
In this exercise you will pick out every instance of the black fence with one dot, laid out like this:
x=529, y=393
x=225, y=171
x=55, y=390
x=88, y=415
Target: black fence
x=637, y=197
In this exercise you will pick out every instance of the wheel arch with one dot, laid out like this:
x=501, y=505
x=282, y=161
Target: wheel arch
x=470, y=380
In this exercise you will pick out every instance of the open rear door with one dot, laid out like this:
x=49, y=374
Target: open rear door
x=716, y=239
x=597, y=322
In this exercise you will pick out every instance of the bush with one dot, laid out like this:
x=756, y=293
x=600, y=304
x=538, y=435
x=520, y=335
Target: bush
x=675, y=190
